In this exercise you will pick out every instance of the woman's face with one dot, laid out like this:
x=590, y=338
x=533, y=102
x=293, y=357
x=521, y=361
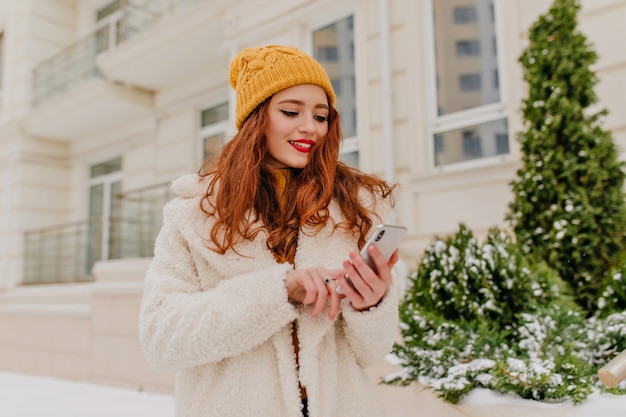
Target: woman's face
x=298, y=117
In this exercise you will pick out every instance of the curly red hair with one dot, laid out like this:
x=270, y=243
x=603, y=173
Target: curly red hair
x=241, y=192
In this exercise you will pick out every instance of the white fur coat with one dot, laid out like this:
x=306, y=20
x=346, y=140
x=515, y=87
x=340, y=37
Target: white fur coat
x=223, y=323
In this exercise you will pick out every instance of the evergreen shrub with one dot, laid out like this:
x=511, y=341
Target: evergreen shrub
x=569, y=205
x=482, y=315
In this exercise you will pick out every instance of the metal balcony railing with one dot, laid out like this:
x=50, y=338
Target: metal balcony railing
x=133, y=233
x=77, y=63
x=61, y=253
x=67, y=253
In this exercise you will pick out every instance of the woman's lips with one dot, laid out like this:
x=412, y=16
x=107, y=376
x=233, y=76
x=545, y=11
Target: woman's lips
x=302, y=145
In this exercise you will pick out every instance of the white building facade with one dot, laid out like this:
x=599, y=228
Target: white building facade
x=103, y=103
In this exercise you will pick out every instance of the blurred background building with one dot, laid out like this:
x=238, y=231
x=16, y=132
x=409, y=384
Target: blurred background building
x=103, y=103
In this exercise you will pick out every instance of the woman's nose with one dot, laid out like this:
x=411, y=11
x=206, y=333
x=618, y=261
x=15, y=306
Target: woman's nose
x=307, y=125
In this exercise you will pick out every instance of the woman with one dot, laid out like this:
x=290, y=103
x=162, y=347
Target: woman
x=247, y=297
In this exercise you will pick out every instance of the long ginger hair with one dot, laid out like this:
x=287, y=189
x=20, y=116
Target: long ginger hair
x=242, y=192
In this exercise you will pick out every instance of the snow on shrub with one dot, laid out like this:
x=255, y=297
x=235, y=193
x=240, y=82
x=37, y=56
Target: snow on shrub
x=482, y=316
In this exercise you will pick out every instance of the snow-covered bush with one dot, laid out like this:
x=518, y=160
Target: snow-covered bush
x=482, y=316
x=613, y=296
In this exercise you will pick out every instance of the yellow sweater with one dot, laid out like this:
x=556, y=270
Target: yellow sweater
x=283, y=179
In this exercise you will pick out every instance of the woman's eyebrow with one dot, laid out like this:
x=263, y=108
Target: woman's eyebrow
x=301, y=103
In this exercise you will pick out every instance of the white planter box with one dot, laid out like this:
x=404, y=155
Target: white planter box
x=416, y=400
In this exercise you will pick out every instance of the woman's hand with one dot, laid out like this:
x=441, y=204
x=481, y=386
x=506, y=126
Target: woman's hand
x=367, y=286
x=314, y=286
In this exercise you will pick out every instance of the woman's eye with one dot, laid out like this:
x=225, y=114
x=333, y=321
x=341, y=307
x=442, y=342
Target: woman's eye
x=321, y=118
x=289, y=113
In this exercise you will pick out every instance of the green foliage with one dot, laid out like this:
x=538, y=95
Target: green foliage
x=486, y=316
x=538, y=315
x=613, y=296
x=569, y=204
x=465, y=281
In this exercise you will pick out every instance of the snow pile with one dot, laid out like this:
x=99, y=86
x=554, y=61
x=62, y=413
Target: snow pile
x=30, y=396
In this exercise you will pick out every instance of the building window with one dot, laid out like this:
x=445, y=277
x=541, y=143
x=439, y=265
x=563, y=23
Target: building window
x=108, y=29
x=327, y=54
x=439, y=144
x=502, y=143
x=336, y=86
x=471, y=145
x=109, y=9
x=1, y=61
x=472, y=142
x=333, y=46
x=467, y=48
x=464, y=14
x=213, y=125
x=105, y=185
x=469, y=82
x=468, y=96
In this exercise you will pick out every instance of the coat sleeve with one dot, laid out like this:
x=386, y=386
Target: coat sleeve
x=181, y=325
x=371, y=333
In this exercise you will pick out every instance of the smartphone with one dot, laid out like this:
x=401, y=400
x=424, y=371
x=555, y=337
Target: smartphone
x=386, y=238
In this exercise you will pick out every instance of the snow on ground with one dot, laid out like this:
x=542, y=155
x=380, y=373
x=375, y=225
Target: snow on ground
x=30, y=396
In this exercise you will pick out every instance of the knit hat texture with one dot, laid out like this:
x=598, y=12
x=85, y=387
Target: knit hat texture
x=259, y=73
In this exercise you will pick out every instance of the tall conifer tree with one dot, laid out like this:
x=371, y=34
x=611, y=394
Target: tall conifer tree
x=568, y=206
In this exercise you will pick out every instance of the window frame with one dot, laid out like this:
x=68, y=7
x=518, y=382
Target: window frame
x=223, y=126
x=108, y=181
x=2, y=60
x=439, y=124
x=349, y=144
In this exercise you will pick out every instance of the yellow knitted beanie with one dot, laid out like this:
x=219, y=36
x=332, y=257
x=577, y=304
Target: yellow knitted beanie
x=259, y=73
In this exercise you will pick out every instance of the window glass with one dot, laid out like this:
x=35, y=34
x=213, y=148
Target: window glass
x=107, y=167
x=108, y=10
x=109, y=34
x=468, y=114
x=465, y=56
x=467, y=48
x=464, y=14
x=213, y=123
x=469, y=82
x=212, y=145
x=327, y=53
x=351, y=158
x=472, y=142
x=214, y=115
x=333, y=47
x=105, y=186
x=1, y=59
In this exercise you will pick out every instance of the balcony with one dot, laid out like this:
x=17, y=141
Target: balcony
x=73, y=97
x=185, y=42
x=67, y=253
x=95, y=105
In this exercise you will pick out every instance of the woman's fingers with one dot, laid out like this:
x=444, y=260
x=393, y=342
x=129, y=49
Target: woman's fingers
x=368, y=286
x=316, y=287
x=393, y=260
x=335, y=298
